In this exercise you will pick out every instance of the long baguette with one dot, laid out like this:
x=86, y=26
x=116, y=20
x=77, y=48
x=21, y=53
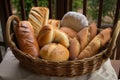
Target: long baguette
x=98, y=41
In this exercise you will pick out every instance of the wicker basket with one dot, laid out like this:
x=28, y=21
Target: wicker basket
x=60, y=69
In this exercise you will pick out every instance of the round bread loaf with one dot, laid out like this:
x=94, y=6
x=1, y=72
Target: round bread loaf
x=54, y=52
x=74, y=20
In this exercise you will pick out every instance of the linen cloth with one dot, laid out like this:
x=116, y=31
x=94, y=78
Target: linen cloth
x=11, y=70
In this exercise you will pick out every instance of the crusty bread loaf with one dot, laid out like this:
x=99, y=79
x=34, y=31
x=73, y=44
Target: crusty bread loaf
x=26, y=40
x=98, y=41
x=86, y=35
x=92, y=30
x=74, y=48
x=46, y=35
x=55, y=23
x=38, y=17
x=61, y=37
x=83, y=37
x=70, y=32
x=54, y=52
x=74, y=20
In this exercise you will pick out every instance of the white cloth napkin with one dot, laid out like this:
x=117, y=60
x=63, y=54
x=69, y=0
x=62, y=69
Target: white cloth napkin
x=11, y=70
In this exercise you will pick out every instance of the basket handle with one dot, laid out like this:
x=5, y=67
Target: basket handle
x=10, y=43
x=113, y=40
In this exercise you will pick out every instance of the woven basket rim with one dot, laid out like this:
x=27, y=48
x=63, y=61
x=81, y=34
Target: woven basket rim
x=68, y=61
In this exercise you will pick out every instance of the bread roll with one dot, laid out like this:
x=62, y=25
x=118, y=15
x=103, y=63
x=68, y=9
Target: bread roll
x=38, y=17
x=55, y=23
x=54, y=52
x=74, y=48
x=98, y=41
x=70, y=32
x=61, y=37
x=46, y=35
x=26, y=39
x=74, y=20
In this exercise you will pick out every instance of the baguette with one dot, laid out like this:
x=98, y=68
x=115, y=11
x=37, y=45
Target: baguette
x=86, y=35
x=98, y=41
x=74, y=48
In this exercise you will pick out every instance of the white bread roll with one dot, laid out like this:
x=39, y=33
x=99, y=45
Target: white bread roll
x=54, y=52
x=74, y=20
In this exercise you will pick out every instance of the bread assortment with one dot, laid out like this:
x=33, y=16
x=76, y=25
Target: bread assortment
x=71, y=38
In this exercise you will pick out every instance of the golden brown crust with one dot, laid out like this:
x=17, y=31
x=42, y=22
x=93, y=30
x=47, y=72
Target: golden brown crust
x=26, y=40
x=46, y=35
x=55, y=23
x=38, y=17
x=98, y=41
x=54, y=52
x=92, y=30
x=70, y=32
x=83, y=37
x=86, y=35
x=61, y=37
x=74, y=48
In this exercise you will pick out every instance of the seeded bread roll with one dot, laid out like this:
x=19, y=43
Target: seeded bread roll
x=38, y=17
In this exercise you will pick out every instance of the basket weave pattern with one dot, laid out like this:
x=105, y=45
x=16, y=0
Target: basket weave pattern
x=60, y=69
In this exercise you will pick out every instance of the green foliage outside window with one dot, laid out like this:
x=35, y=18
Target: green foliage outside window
x=28, y=5
x=109, y=7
